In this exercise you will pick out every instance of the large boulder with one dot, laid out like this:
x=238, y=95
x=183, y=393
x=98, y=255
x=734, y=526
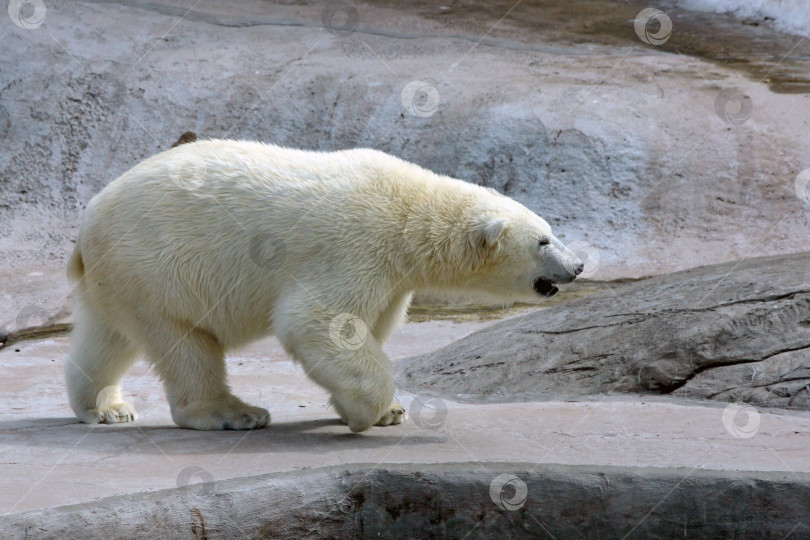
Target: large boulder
x=733, y=331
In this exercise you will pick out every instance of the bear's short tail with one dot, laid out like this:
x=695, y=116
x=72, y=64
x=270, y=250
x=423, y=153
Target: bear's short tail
x=75, y=267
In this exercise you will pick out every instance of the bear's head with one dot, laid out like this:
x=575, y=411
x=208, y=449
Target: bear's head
x=515, y=256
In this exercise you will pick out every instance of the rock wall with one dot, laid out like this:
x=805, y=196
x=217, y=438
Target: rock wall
x=617, y=143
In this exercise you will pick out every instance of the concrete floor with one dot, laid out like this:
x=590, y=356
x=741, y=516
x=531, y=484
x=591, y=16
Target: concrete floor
x=48, y=459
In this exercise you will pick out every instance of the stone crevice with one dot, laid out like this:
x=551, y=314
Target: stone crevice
x=248, y=22
x=706, y=367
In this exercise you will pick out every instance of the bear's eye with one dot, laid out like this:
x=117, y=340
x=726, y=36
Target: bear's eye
x=544, y=242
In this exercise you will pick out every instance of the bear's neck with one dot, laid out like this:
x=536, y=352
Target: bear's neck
x=437, y=238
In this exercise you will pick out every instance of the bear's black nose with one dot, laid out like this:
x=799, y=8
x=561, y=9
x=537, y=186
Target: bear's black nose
x=579, y=268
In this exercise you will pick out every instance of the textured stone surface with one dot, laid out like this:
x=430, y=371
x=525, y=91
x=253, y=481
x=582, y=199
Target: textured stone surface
x=734, y=331
x=615, y=142
x=447, y=501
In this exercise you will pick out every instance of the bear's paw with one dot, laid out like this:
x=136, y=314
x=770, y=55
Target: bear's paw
x=394, y=415
x=226, y=414
x=114, y=413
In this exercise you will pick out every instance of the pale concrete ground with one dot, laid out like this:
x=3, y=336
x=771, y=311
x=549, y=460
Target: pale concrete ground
x=48, y=459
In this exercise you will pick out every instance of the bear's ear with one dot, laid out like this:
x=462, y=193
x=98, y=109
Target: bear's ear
x=485, y=233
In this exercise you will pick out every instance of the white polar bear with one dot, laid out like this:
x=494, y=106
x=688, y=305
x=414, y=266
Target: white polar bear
x=214, y=244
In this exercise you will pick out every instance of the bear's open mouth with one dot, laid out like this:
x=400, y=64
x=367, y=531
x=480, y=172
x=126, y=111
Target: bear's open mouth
x=545, y=287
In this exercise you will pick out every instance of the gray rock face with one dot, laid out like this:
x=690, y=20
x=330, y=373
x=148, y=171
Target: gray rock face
x=614, y=142
x=479, y=500
x=734, y=331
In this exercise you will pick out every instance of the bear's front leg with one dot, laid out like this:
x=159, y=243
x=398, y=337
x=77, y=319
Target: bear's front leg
x=342, y=356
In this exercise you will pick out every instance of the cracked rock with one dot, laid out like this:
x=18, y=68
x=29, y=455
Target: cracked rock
x=730, y=332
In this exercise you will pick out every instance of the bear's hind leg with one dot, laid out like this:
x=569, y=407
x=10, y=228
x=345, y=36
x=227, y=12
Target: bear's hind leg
x=98, y=360
x=191, y=363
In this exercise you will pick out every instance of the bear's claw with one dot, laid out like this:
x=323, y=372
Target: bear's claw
x=395, y=414
x=115, y=413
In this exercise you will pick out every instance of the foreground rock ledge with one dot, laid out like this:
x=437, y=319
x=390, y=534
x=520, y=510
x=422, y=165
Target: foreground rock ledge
x=733, y=331
x=447, y=500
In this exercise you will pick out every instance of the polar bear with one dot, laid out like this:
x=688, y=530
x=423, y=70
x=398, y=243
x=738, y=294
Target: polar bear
x=214, y=244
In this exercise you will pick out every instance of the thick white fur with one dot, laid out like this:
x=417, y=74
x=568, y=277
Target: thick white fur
x=167, y=265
